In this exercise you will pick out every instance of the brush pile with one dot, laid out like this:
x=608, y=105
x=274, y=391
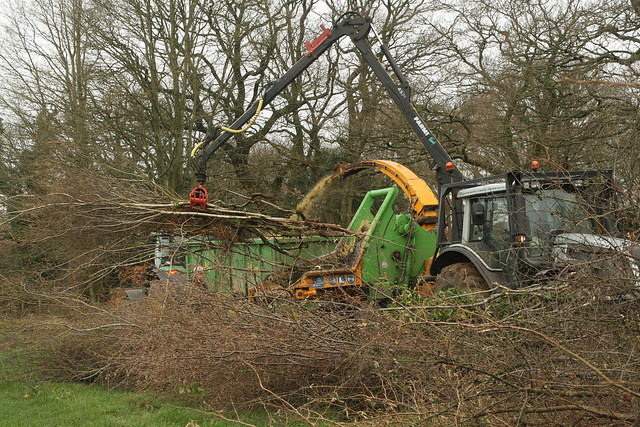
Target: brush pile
x=567, y=352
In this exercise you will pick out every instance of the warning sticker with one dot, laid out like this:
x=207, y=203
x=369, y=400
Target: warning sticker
x=318, y=282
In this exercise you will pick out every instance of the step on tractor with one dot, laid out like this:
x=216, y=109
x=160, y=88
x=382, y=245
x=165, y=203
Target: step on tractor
x=503, y=231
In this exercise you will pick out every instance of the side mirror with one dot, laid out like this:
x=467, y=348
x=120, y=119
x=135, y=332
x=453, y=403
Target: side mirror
x=477, y=214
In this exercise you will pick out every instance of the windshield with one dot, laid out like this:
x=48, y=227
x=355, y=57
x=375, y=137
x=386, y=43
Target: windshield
x=555, y=211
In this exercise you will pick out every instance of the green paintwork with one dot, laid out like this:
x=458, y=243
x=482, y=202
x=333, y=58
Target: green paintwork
x=396, y=248
x=239, y=266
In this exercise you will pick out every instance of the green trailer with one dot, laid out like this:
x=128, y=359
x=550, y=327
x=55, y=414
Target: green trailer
x=240, y=266
x=234, y=266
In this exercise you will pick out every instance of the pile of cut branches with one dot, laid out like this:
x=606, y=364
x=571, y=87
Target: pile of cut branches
x=80, y=236
x=565, y=352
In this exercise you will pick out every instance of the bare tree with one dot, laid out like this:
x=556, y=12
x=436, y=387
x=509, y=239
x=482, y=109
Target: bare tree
x=49, y=73
x=508, y=64
x=149, y=59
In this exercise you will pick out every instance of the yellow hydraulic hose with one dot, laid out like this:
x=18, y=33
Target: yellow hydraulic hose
x=255, y=116
x=226, y=129
x=193, y=152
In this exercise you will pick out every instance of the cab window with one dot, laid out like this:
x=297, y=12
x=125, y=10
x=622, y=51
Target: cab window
x=494, y=229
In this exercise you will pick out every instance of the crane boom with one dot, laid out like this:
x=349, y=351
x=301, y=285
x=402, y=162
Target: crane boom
x=357, y=27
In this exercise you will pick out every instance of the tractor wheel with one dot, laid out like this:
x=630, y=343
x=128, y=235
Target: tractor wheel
x=461, y=275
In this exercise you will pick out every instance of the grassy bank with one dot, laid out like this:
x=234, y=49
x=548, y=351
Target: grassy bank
x=28, y=400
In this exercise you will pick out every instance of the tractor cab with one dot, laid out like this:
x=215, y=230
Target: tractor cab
x=516, y=228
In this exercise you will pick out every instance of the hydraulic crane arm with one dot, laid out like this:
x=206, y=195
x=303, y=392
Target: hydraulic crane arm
x=357, y=27
x=401, y=94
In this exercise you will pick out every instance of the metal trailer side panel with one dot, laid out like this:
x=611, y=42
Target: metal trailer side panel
x=239, y=266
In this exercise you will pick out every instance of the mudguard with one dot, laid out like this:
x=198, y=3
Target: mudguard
x=461, y=253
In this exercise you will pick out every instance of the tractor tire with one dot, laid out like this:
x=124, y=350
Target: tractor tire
x=461, y=275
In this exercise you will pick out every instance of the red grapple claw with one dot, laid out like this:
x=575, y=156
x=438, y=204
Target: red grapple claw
x=198, y=197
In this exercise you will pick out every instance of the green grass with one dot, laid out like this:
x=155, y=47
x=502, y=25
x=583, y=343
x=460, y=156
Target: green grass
x=57, y=404
x=62, y=404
